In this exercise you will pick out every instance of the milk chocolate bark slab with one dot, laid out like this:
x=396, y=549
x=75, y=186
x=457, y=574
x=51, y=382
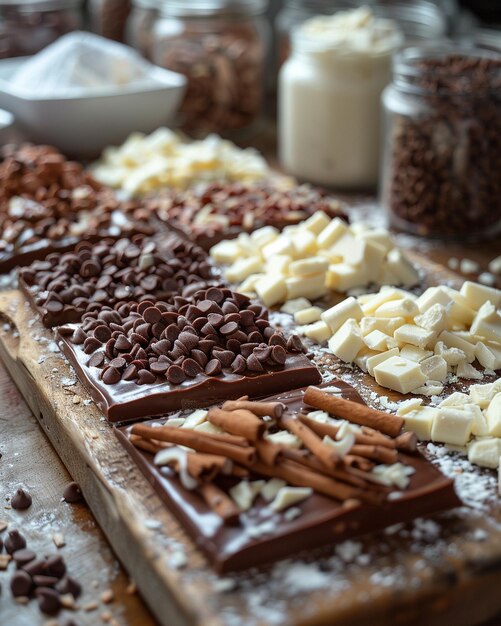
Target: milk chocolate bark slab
x=322, y=521
x=148, y=358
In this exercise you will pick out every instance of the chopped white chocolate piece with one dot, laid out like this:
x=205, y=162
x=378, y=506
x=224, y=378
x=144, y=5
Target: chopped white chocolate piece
x=399, y=374
x=420, y=421
x=483, y=394
x=387, y=325
x=195, y=418
x=432, y=296
x=397, y=308
x=434, y=319
x=487, y=323
x=242, y=268
x=347, y=342
x=402, y=268
x=493, y=416
x=337, y=315
x=320, y=416
x=331, y=233
x=264, y=235
x=248, y=286
x=409, y=405
x=312, y=287
x=293, y=306
x=377, y=299
x=434, y=368
x=305, y=244
x=343, y=446
x=176, y=422
x=381, y=237
x=453, y=341
x=378, y=341
x=284, y=438
x=480, y=427
x=485, y=452
x=211, y=429
x=271, y=488
x=430, y=388
x=287, y=496
x=413, y=353
x=476, y=295
x=453, y=356
x=467, y=371
x=319, y=332
x=488, y=355
x=415, y=335
x=271, y=289
x=397, y=474
x=305, y=267
x=363, y=356
x=375, y=360
x=308, y=316
x=456, y=399
x=243, y=495
x=495, y=265
x=467, y=266
x=343, y=277
x=226, y=252
x=452, y=425
x=316, y=223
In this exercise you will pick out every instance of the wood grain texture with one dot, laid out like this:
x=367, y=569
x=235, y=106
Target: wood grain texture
x=146, y=536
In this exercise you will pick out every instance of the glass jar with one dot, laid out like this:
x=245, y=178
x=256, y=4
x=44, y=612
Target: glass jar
x=329, y=94
x=140, y=26
x=109, y=17
x=220, y=46
x=28, y=26
x=418, y=20
x=442, y=157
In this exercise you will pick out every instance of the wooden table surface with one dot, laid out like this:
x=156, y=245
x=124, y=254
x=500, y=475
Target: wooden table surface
x=29, y=460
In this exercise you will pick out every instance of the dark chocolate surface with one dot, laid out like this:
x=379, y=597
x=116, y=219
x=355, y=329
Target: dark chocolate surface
x=322, y=520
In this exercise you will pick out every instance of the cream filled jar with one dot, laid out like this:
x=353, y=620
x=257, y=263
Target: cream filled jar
x=329, y=98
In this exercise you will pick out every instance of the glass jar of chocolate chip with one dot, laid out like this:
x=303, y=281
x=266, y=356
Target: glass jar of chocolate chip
x=109, y=17
x=442, y=155
x=27, y=26
x=221, y=47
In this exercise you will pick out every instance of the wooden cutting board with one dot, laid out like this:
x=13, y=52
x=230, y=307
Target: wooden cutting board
x=446, y=571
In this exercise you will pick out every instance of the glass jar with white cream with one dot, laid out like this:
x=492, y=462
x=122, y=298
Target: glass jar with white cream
x=329, y=98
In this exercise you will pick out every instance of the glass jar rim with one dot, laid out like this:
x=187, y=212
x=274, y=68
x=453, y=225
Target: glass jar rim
x=40, y=5
x=408, y=68
x=420, y=13
x=209, y=8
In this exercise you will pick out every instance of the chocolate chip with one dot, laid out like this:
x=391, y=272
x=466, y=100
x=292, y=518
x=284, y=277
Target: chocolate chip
x=159, y=367
x=96, y=360
x=175, y=375
x=200, y=357
x=78, y=337
x=253, y=364
x=15, y=541
x=23, y=556
x=48, y=600
x=130, y=373
x=145, y=377
x=118, y=363
x=21, y=584
x=225, y=357
x=111, y=376
x=34, y=568
x=102, y=333
x=55, y=566
x=229, y=328
x=262, y=353
x=21, y=500
x=161, y=347
x=189, y=340
x=213, y=367
x=239, y=364
x=91, y=345
x=294, y=344
x=72, y=493
x=152, y=315
x=191, y=368
x=54, y=306
x=277, y=340
x=45, y=581
x=214, y=294
x=279, y=355
x=67, y=584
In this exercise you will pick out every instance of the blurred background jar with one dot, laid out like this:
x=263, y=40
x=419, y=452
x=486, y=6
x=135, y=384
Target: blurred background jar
x=109, y=17
x=329, y=98
x=27, y=26
x=418, y=19
x=140, y=26
x=442, y=161
x=221, y=47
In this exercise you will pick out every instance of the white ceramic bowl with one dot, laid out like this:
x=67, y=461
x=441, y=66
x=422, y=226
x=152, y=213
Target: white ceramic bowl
x=83, y=126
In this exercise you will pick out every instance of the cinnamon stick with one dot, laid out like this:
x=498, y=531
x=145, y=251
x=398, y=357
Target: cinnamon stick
x=361, y=463
x=222, y=445
x=324, y=453
x=323, y=429
x=268, y=452
x=148, y=445
x=205, y=467
x=407, y=441
x=353, y=411
x=376, y=453
x=220, y=503
x=238, y=422
x=262, y=409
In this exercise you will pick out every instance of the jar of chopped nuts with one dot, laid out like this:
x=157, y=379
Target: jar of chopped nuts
x=442, y=155
x=28, y=26
x=221, y=47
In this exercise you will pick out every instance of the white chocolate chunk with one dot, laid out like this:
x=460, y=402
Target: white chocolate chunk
x=271, y=289
x=374, y=255
x=287, y=496
x=452, y=425
x=495, y=265
x=347, y=342
x=380, y=236
x=243, y=495
x=293, y=306
x=399, y=374
x=430, y=388
x=487, y=323
x=415, y=335
x=493, y=416
x=453, y=341
x=483, y=394
x=264, y=235
x=343, y=277
x=476, y=295
x=432, y=296
x=316, y=223
x=319, y=332
x=195, y=418
x=308, y=316
x=402, y=268
x=337, y=315
x=420, y=421
x=226, y=252
x=175, y=422
x=305, y=267
x=378, y=341
x=434, y=319
x=243, y=268
x=434, y=368
x=362, y=357
x=453, y=356
x=488, y=355
x=284, y=438
x=208, y=427
x=280, y=264
x=457, y=399
x=248, y=286
x=312, y=287
x=305, y=244
x=386, y=325
x=271, y=488
x=331, y=233
x=372, y=361
x=282, y=245
x=397, y=474
x=406, y=406
x=480, y=427
x=467, y=371
x=413, y=353
x=397, y=308
x=348, y=248
x=485, y=452
x=376, y=300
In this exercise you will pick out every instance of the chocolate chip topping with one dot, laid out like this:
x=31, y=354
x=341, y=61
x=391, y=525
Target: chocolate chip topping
x=15, y=541
x=65, y=286
x=72, y=493
x=21, y=500
x=213, y=332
